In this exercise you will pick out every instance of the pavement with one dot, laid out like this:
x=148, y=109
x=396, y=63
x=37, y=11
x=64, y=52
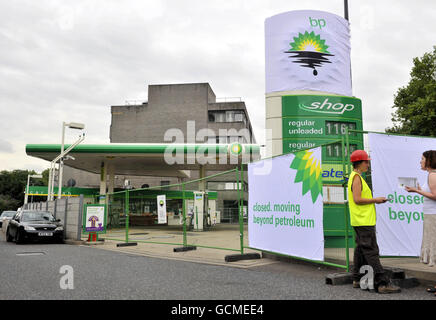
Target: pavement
x=223, y=240
x=211, y=246
x=80, y=272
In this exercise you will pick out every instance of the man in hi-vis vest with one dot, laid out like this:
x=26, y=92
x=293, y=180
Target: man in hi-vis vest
x=363, y=219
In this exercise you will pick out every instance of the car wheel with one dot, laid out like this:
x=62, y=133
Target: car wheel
x=8, y=236
x=19, y=237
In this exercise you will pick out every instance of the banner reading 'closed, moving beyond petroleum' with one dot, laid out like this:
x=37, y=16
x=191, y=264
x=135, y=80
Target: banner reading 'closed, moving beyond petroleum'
x=285, y=204
x=395, y=163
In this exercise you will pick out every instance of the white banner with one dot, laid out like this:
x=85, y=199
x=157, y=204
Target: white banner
x=161, y=209
x=394, y=163
x=307, y=50
x=285, y=206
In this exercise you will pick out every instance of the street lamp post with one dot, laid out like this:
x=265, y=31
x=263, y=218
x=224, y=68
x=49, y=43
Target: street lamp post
x=346, y=10
x=71, y=125
x=52, y=166
x=39, y=176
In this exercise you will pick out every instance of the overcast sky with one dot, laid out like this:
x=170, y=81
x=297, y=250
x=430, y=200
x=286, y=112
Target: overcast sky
x=71, y=60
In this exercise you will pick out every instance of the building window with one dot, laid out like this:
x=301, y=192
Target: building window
x=216, y=140
x=224, y=186
x=233, y=139
x=211, y=116
x=217, y=116
x=164, y=184
x=227, y=116
x=239, y=117
x=226, y=140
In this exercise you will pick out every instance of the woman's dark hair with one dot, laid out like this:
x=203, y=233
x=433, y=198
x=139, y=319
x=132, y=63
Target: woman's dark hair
x=430, y=159
x=357, y=163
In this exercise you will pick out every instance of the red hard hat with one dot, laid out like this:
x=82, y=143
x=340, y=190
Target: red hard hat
x=359, y=155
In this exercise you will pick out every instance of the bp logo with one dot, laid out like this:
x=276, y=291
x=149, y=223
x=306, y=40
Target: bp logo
x=308, y=172
x=235, y=149
x=310, y=51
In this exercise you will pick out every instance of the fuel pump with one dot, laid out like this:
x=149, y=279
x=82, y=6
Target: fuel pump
x=198, y=210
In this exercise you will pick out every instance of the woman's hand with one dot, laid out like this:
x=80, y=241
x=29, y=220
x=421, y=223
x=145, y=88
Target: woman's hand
x=412, y=189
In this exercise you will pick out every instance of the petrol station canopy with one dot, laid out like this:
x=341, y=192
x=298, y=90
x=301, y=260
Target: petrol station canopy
x=150, y=159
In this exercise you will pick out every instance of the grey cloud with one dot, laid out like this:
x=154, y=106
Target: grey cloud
x=65, y=61
x=6, y=147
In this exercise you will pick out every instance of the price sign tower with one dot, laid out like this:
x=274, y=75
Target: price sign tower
x=309, y=99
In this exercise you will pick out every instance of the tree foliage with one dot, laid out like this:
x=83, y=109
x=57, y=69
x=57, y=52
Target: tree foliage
x=8, y=203
x=45, y=177
x=12, y=186
x=415, y=104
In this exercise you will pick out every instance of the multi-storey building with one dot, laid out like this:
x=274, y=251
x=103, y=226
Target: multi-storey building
x=180, y=113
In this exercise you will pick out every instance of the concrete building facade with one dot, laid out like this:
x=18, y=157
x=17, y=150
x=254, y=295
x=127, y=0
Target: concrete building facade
x=180, y=113
x=191, y=108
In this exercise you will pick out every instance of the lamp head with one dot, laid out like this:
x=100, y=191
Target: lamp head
x=75, y=125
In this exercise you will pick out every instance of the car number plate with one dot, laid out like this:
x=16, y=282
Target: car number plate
x=45, y=234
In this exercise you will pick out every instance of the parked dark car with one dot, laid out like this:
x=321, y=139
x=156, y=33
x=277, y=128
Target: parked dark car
x=34, y=225
x=6, y=215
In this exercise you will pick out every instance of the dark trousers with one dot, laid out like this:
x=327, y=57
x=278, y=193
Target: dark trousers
x=366, y=252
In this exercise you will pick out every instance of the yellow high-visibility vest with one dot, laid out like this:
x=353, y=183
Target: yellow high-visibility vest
x=361, y=214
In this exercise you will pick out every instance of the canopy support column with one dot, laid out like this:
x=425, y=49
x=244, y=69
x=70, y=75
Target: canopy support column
x=103, y=182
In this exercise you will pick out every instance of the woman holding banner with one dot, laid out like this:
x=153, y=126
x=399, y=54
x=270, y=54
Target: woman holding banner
x=363, y=219
x=428, y=247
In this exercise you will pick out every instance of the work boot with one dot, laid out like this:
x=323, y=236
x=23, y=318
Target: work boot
x=389, y=288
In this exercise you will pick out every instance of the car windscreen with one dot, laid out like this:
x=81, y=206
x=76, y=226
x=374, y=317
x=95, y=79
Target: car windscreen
x=8, y=214
x=37, y=216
